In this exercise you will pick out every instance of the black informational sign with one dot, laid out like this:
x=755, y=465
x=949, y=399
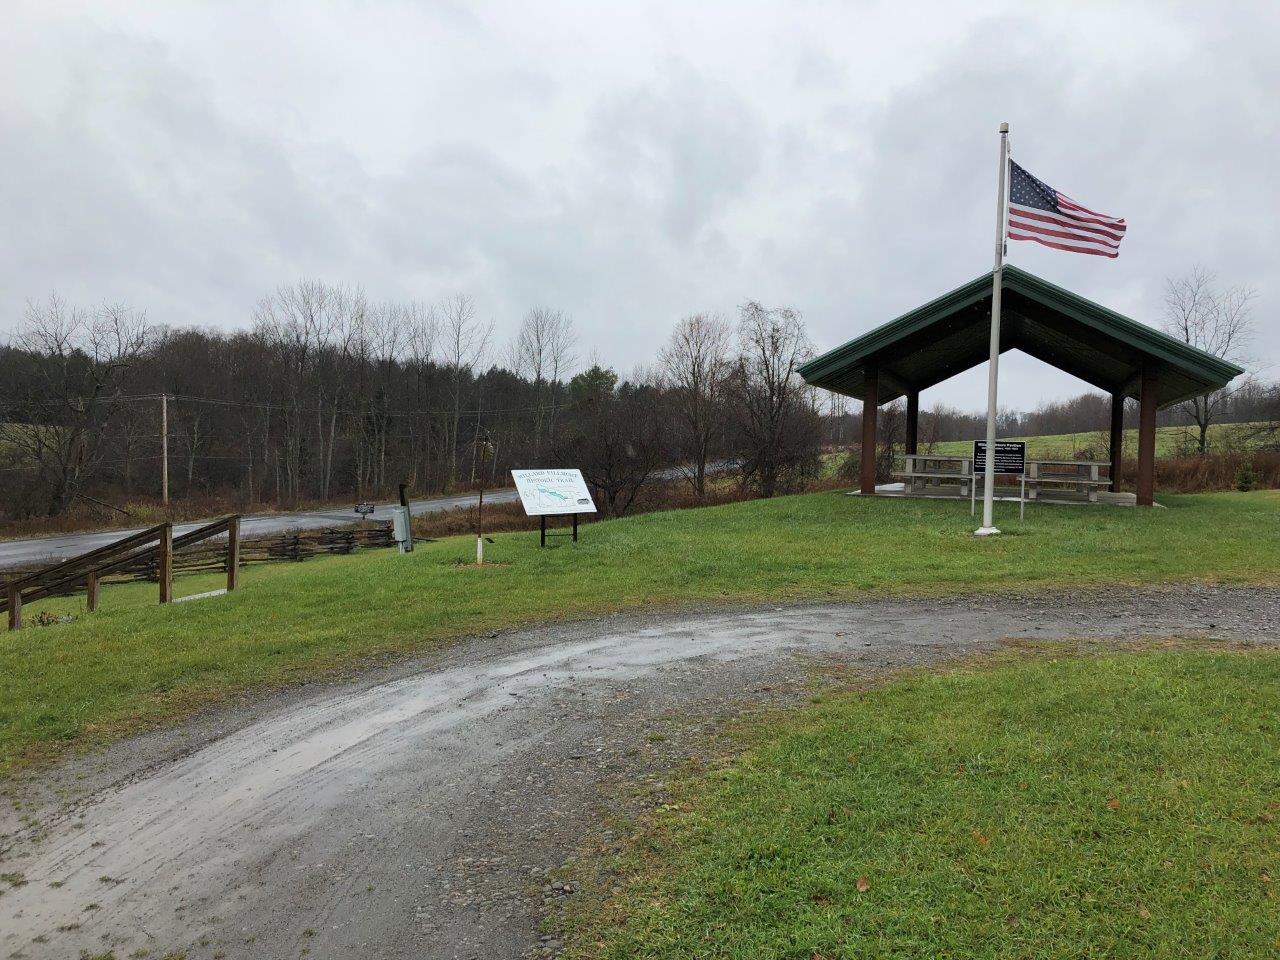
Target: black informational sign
x=364, y=509
x=1011, y=456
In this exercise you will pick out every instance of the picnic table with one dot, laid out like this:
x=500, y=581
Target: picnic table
x=924, y=470
x=931, y=469
x=1084, y=475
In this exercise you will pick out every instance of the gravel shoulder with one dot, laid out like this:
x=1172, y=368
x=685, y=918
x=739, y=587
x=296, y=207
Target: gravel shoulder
x=426, y=808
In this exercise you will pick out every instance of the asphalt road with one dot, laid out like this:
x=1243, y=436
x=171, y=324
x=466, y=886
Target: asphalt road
x=435, y=809
x=33, y=552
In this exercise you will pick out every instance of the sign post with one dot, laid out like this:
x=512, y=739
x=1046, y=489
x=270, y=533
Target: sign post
x=1010, y=458
x=549, y=493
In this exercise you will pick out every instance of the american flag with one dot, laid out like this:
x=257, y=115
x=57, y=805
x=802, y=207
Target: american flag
x=1040, y=213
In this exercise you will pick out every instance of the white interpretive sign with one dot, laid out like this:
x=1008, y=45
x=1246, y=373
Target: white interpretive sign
x=546, y=492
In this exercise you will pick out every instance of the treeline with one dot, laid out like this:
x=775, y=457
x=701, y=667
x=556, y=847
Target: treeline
x=331, y=395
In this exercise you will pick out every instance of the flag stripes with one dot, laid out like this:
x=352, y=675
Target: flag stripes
x=1041, y=214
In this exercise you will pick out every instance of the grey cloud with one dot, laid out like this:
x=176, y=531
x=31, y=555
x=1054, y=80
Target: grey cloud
x=685, y=145
x=630, y=184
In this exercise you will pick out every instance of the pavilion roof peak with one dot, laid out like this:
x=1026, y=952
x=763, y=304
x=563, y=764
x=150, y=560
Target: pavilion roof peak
x=949, y=334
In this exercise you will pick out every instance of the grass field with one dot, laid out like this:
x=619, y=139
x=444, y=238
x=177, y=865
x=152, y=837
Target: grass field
x=1170, y=442
x=133, y=662
x=1123, y=805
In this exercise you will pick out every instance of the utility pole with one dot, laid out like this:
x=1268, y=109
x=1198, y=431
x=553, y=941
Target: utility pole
x=164, y=448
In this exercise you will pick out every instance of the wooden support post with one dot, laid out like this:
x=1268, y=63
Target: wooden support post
x=233, y=554
x=1117, y=439
x=1147, y=439
x=870, y=405
x=543, y=517
x=91, y=592
x=165, y=565
x=15, y=607
x=575, y=528
x=913, y=421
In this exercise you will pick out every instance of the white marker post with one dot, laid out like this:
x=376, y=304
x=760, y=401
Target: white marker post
x=988, y=527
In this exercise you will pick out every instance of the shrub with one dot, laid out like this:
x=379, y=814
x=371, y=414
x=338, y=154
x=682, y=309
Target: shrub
x=1246, y=479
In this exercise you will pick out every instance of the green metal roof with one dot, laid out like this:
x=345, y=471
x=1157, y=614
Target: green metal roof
x=949, y=335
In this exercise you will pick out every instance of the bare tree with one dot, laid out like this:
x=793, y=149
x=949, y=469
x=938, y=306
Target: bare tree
x=383, y=339
x=424, y=332
x=542, y=352
x=76, y=361
x=778, y=432
x=891, y=431
x=464, y=343
x=1216, y=321
x=615, y=436
x=292, y=324
x=695, y=365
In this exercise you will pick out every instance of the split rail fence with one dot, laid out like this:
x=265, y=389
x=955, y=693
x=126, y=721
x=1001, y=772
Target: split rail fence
x=153, y=555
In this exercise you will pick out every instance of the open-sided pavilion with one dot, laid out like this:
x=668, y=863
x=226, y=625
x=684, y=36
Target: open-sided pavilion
x=951, y=334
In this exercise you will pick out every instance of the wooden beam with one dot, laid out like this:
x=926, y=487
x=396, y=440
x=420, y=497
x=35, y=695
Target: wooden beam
x=913, y=421
x=1117, y=438
x=165, y=555
x=870, y=406
x=233, y=554
x=91, y=591
x=1146, y=484
x=15, y=607
x=63, y=569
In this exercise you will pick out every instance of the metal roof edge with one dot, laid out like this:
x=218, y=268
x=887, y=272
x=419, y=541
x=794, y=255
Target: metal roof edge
x=852, y=350
x=1191, y=359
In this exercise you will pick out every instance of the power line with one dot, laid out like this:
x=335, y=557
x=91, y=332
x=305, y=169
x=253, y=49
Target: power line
x=306, y=408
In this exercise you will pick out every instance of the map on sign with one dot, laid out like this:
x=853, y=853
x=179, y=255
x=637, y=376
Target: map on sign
x=553, y=491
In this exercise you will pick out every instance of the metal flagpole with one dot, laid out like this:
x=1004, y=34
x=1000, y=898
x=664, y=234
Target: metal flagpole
x=997, y=281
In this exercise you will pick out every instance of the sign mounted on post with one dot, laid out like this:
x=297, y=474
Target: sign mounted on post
x=550, y=492
x=1011, y=456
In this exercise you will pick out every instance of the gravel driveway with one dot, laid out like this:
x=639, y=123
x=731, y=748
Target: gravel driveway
x=422, y=809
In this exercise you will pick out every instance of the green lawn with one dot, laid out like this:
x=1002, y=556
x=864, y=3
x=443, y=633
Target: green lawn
x=134, y=662
x=1170, y=442
x=1125, y=805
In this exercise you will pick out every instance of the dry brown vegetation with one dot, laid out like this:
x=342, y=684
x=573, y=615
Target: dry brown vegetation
x=653, y=497
x=1213, y=471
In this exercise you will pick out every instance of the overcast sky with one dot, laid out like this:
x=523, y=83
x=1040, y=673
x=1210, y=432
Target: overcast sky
x=629, y=163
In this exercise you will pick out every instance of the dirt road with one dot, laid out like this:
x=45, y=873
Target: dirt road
x=419, y=810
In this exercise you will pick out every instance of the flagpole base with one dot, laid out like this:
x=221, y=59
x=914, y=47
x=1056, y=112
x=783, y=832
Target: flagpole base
x=986, y=532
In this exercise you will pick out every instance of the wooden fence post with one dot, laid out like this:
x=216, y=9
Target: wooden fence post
x=166, y=563
x=233, y=554
x=15, y=607
x=91, y=591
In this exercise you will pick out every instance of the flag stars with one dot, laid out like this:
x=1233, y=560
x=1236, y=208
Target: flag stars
x=1039, y=213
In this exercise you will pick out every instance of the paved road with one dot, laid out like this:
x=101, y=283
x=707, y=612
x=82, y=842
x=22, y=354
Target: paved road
x=417, y=812
x=30, y=553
